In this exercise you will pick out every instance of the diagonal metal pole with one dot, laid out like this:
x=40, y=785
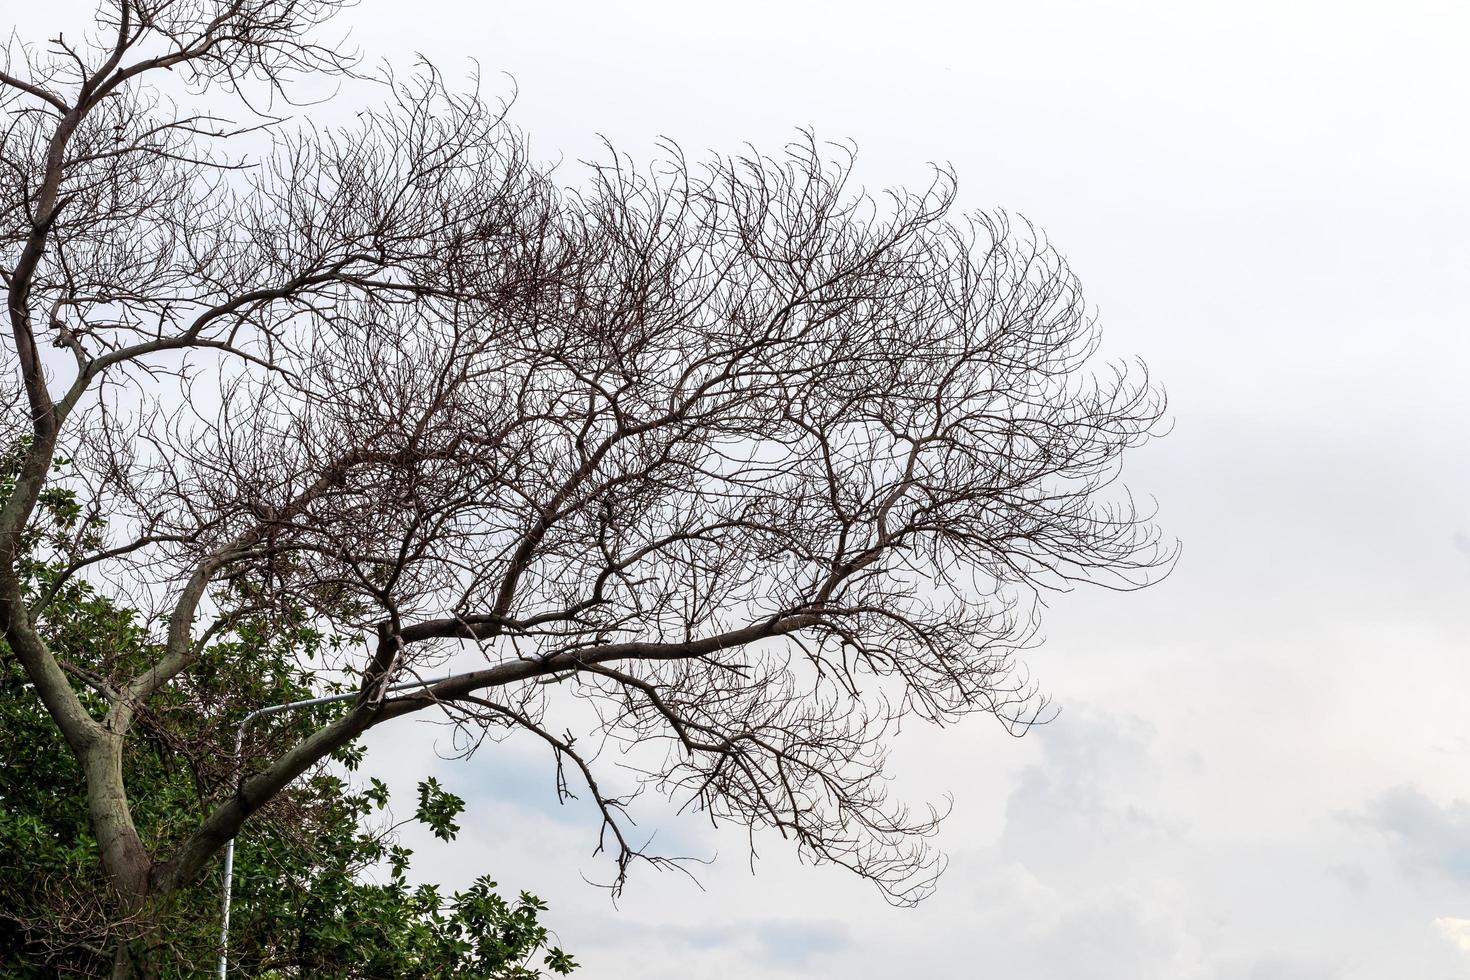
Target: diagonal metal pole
x=275, y=709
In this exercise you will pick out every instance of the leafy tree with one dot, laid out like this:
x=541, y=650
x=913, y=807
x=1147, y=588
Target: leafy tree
x=302, y=904
x=753, y=465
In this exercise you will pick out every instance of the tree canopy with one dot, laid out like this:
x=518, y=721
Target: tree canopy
x=754, y=463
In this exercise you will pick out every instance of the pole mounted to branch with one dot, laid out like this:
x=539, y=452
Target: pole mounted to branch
x=275, y=709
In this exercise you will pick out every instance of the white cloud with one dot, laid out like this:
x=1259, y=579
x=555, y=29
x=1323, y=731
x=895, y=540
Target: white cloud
x=1456, y=931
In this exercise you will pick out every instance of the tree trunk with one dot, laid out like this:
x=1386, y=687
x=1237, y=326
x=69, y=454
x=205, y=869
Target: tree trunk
x=125, y=861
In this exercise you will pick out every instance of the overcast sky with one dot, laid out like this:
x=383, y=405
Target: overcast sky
x=1260, y=767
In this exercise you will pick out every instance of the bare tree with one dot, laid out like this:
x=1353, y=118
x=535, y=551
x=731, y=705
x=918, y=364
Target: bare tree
x=753, y=462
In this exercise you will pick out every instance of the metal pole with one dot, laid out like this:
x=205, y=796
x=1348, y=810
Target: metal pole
x=275, y=709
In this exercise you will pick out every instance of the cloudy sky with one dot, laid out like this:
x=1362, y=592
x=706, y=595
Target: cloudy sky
x=1261, y=766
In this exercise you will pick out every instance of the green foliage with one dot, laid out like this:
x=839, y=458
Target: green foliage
x=438, y=808
x=321, y=889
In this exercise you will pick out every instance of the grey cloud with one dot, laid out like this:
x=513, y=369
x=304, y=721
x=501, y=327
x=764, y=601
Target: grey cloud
x=791, y=942
x=1462, y=542
x=702, y=937
x=1086, y=824
x=1352, y=875
x=1429, y=837
x=795, y=943
x=1280, y=967
x=1111, y=939
x=1095, y=787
